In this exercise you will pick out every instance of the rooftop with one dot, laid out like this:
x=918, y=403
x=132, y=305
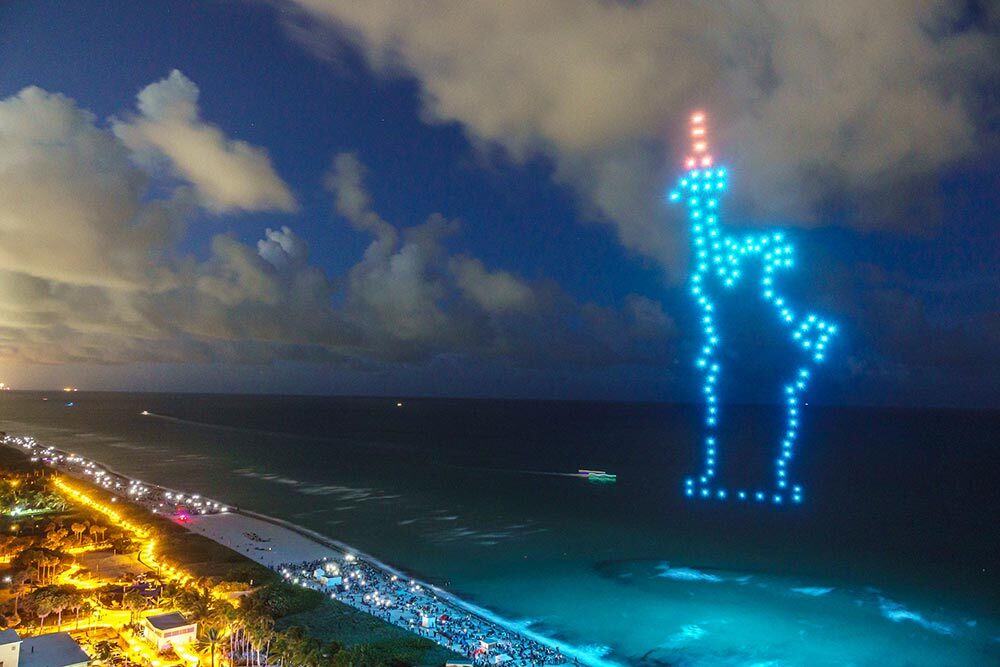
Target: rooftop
x=169, y=621
x=56, y=649
x=9, y=637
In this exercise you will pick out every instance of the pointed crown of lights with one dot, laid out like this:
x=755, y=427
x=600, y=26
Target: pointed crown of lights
x=699, y=157
x=718, y=268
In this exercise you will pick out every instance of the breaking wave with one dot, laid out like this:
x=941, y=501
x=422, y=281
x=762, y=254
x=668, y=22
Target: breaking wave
x=686, y=574
x=813, y=591
x=897, y=613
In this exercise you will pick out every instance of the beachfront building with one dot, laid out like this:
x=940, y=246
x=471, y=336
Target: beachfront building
x=55, y=649
x=10, y=648
x=167, y=630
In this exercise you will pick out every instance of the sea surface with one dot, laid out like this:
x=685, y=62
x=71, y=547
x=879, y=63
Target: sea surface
x=893, y=558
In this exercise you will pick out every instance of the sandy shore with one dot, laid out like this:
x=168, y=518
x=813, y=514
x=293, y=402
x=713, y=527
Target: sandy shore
x=267, y=543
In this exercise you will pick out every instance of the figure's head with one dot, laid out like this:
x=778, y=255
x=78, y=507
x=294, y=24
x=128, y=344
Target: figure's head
x=702, y=181
x=699, y=189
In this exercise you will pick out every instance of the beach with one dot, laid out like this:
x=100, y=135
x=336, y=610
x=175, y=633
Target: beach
x=307, y=558
x=274, y=545
x=432, y=491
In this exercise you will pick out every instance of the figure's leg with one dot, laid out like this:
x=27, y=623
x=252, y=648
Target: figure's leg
x=707, y=363
x=792, y=398
x=812, y=334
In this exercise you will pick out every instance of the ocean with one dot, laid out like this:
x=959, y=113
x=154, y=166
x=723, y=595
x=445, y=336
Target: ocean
x=892, y=559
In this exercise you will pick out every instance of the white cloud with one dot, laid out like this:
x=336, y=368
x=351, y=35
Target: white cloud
x=92, y=272
x=493, y=291
x=70, y=204
x=403, y=294
x=228, y=175
x=810, y=99
x=282, y=248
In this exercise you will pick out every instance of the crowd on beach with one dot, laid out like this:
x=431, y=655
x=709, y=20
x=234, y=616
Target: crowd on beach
x=409, y=604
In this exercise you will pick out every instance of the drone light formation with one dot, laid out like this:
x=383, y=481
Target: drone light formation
x=718, y=266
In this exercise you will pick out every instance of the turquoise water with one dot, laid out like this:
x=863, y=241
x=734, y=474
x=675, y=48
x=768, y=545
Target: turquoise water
x=893, y=559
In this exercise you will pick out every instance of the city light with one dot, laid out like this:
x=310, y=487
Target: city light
x=718, y=267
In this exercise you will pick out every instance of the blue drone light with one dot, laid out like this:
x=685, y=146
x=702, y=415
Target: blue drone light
x=718, y=264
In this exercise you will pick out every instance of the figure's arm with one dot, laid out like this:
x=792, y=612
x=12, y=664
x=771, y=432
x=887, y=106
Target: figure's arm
x=809, y=331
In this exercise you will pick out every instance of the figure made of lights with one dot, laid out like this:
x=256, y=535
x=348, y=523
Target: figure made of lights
x=718, y=266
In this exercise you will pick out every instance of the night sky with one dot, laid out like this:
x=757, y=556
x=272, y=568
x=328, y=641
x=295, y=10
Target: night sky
x=467, y=199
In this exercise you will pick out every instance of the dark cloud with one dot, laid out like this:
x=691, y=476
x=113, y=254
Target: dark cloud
x=900, y=350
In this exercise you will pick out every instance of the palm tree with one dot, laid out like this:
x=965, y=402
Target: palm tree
x=78, y=528
x=105, y=650
x=59, y=603
x=81, y=607
x=197, y=604
x=281, y=648
x=5, y=543
x=310, y=654
x=260, y=631
x=43, y=607
x=135, y=602
x=51, y=564
x=34, y=557
x=210, y=639
x=20, y=585
x=54, y=538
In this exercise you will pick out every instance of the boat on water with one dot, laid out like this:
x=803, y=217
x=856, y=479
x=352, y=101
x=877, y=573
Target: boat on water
x=601, y=476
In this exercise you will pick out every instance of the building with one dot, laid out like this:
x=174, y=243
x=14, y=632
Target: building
x=165, y=630
x=56, y=649
x=10, y=648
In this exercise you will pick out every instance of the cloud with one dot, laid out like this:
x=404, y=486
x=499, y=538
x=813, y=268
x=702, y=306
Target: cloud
x=70, y=205
x=494, y=292
x=811, y=100
x=282, y=248
x=901, y=346
x=417, y=299
x=345, y=180
x=91, y=270
x=228, y=175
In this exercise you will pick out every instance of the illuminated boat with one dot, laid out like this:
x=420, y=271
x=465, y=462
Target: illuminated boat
x=601, y=476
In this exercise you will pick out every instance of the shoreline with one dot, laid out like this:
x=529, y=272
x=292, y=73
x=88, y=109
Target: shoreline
x=150, y=494
x=484, y=614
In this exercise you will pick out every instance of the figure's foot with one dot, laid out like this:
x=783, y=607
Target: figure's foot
x=704, y=490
